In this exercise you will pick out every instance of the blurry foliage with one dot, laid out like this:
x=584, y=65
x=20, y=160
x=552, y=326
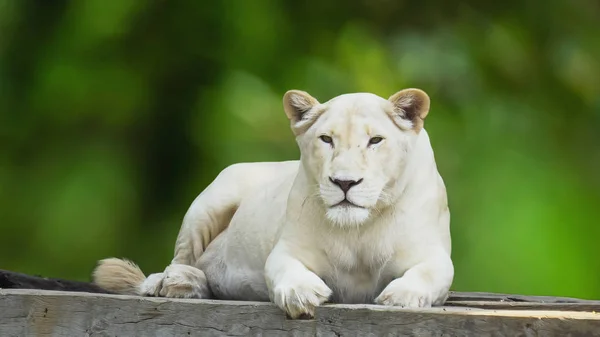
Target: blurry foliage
x=115, y=114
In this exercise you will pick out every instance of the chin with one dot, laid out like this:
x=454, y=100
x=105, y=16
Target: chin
x=347, y=216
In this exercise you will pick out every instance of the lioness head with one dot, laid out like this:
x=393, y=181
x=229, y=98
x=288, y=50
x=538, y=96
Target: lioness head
x=355, y=146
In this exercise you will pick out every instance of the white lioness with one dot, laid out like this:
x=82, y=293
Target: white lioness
x=361, y=217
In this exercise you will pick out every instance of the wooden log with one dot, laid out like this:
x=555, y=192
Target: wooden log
x=26, y=312
x=481, y=296
x=13, y=280
x=584, y=306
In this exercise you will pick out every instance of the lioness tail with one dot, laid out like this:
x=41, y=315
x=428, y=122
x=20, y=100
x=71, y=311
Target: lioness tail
x=119, y=276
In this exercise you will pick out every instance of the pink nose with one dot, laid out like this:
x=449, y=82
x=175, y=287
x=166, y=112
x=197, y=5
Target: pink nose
x=345, y=185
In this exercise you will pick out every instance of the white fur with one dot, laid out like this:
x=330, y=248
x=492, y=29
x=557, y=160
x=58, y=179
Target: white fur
x=265, y=231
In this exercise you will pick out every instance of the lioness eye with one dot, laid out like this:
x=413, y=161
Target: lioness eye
x=326, y=139
x=375, y=140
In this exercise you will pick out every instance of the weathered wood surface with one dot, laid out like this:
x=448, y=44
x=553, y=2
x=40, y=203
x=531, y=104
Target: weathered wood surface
x=55, y=313
x=592, y=307
x=14, y=280
x=480, y=296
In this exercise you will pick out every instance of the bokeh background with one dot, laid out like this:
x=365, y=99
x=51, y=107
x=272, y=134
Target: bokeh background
x=115, y=114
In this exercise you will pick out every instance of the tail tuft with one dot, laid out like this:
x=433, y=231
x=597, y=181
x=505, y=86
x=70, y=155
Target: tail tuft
x=119, y=276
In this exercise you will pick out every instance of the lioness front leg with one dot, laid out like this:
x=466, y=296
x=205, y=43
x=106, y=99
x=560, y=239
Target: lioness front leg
x=292, y=286
x=425, y=284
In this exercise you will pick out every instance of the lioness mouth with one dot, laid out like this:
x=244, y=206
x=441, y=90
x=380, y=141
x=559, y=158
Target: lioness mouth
x=346, y=203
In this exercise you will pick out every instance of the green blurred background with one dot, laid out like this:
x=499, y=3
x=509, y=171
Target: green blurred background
x=115, y=114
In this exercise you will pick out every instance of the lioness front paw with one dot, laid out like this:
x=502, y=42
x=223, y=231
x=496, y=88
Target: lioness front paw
x=300, y=295
x=406, y=294
x=177, y=281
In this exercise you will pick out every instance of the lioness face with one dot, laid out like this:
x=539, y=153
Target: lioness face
x=355, y=147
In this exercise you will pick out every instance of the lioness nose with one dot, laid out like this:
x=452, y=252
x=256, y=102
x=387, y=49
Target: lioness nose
x=345, y=185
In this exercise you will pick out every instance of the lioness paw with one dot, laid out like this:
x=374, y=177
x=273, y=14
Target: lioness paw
x=177, y=281
x=406, y=294
x=152, y=284
x=299, y=296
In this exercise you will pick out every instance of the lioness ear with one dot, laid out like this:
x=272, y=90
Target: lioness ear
x=410, y=105
x=300, y=109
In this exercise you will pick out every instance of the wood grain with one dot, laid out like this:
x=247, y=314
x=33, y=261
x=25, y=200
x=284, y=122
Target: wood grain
x=14, y=280
x=54, y=313
x=592, y=306
x=495, y=297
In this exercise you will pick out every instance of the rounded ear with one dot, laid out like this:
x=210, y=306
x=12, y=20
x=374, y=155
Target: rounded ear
x=410, y=107
x=300, y=109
